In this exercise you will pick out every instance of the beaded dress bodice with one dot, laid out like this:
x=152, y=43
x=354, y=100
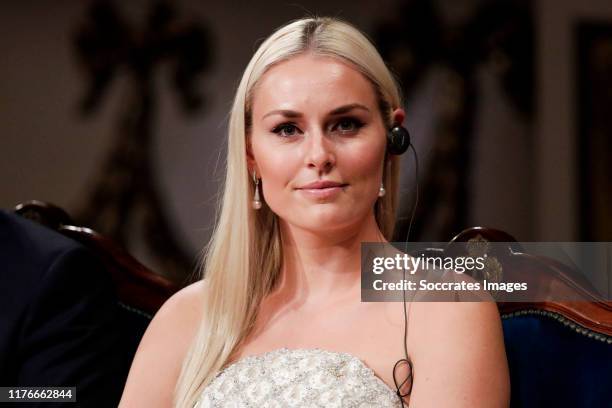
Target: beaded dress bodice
x=298, y=378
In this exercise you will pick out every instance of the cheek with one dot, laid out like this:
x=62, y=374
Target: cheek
x=276, y=168
x=364, y=164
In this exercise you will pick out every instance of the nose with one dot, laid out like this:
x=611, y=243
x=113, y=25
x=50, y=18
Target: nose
x=320, y=154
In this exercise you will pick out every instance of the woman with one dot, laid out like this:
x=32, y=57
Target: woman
x=278, y=319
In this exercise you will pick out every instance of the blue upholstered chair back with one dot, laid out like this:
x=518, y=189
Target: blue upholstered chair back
x=556, y=363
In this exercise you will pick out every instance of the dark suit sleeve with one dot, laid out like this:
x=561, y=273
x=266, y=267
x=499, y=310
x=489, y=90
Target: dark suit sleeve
x=70, y=335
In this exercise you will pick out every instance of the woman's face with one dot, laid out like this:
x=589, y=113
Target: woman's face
x=317, y=142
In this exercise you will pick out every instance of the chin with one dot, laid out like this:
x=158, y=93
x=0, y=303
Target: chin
x=322, y=217
x=326, y=218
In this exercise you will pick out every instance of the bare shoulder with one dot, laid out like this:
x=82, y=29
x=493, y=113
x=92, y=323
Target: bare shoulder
x=461, y=319
x=157, y=363
x=188, y=302
x=458, y=347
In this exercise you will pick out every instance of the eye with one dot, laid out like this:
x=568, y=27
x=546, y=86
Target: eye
x=286, y=130
x=348, y=125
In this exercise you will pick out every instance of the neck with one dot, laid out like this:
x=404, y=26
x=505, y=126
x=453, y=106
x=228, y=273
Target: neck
x=320, y=267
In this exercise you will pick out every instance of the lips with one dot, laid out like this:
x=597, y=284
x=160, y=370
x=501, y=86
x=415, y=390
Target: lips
x=322, y=190
x=321, y=184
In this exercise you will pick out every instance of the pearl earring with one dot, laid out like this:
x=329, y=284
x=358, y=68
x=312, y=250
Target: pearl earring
x=381, y=190
x=256, y=199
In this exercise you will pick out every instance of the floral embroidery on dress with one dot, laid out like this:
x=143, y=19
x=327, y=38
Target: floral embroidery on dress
x=298, y=378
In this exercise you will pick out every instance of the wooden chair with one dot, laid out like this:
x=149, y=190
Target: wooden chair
x=124, y=313
x=138, y=288
x=594, y=314
x=559, y=353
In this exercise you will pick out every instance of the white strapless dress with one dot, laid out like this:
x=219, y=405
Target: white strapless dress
x=298, y=378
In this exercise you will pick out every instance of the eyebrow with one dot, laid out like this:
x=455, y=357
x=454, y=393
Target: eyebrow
x=338, y=111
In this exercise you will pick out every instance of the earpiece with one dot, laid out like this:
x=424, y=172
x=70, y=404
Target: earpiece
x=398, y=140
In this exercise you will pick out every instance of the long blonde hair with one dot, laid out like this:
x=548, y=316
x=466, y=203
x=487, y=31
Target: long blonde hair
x=244, y=256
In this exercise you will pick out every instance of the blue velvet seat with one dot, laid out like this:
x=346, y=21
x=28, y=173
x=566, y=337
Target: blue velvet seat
x=556, y=363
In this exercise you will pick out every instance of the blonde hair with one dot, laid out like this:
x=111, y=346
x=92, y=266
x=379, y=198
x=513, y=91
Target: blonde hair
x=244, y=256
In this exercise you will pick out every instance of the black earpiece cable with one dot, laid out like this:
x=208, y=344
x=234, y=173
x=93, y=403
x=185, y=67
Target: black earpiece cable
x=407, y=359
